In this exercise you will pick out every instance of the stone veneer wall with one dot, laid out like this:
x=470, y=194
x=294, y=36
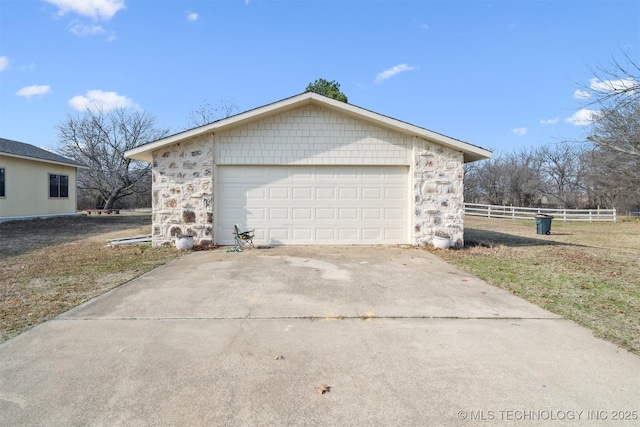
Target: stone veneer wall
x=183, y=192
x=183, y=187
x=438, y=186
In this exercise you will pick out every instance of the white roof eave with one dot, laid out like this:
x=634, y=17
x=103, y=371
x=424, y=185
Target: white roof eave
x=38, y=159
x=471, y=152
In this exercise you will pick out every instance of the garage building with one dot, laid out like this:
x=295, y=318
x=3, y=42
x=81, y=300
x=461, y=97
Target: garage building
x=308, y=170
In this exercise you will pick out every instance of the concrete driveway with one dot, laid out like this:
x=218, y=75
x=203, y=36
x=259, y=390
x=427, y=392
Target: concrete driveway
x=400, y=337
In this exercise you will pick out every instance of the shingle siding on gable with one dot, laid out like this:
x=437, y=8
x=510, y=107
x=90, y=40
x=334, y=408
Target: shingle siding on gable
x=312, y=136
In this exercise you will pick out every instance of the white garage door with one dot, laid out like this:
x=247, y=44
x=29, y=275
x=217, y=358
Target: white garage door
x=314, y=205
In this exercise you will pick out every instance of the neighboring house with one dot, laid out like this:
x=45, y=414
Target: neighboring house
x=308, y=170
x=35, y=182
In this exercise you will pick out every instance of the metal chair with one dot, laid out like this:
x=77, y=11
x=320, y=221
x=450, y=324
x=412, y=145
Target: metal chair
x=243, y=238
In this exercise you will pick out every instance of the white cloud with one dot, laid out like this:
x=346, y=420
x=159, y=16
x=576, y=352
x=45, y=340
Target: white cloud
x=583, y=117
x=613, y=85
x=550, y=121
x=424, y=26
x=29, y=91
x=4, y=63
x=192, y=16
x=581, y=94
x=96, y=9
x=519, y=131
x=387, y=74
x=86, y=30
x=99, y=99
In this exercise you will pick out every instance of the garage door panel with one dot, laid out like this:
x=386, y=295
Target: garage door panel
x=392, y=213
x=230, y=214
x=302, y=193
x=276, y=214
x=276, y=173
x=325, y=213
x=278, y=193
x=301, y=175
x=302, y=234
x=325, y=193
x=348, y=233
x=280, y=235
x=302, y=213
x=254, y=214
x=348, y=173
x=325, y=234
x=347, y=193
x=313, y=204
x=371, y=193
x=232, y=193
x=394, y=193
x=393, y=233
x=348, y=213
x=371, y=234
x=256, y=193
x=371, y=213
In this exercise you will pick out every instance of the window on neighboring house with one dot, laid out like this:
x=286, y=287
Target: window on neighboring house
x=1, y=182
x=58, y=185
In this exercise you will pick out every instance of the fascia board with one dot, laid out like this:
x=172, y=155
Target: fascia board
x=471, y=152
x=144, y=151
x=36, y=159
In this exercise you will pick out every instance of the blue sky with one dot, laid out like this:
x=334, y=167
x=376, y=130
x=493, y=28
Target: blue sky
x=498, y=74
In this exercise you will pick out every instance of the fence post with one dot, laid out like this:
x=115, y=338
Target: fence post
x=615, y=215
x=489, y=212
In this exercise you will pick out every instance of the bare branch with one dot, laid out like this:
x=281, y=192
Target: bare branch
x=99, y=140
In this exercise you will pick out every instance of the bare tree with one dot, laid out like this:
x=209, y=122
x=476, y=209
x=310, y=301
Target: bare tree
x=613, y=179
x=615, y=134
x=615, y=91
x=618, y=129
x=563, y=171
x=522, y=171
x=506, y=179
x=483, y=181
x=99, y=140
x=613, y=85
x=206, y=113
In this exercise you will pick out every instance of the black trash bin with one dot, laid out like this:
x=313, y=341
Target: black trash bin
x=543, y=224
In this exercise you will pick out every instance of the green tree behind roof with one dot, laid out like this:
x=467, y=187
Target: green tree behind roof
x=329, y=89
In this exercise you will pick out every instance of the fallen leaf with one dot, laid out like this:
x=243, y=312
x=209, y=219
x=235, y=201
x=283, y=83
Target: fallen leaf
x=323, y=389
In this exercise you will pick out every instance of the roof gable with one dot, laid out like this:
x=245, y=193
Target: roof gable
x=471, y=152
x=23, y=150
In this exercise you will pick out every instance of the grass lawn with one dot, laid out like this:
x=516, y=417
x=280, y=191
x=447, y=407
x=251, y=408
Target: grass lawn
x=48, y=266
x=586, y=272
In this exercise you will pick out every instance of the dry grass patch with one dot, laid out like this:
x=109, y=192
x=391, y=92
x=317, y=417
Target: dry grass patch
x=49, y=266
x=587, y=272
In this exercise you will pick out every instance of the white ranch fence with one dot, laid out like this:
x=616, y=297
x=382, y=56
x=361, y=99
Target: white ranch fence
x=515, y=212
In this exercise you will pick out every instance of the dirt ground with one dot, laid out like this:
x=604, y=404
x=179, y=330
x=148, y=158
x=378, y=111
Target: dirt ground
x=18, y=237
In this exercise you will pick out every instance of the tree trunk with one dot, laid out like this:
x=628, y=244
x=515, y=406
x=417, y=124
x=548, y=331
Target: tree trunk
x=111, y=201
